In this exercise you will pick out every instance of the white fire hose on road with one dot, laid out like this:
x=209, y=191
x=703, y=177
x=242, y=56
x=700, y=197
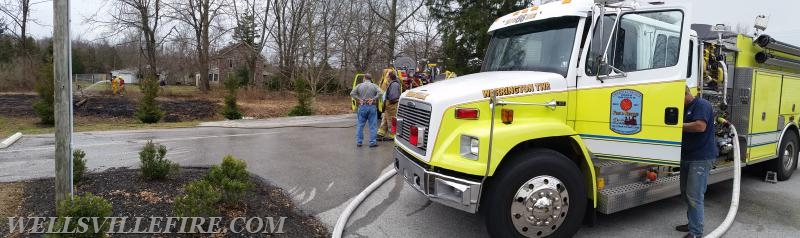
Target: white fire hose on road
x=342, y=221
x=737, y=181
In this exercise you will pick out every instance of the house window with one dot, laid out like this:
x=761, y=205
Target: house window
x=230, y=63
x=213, y=77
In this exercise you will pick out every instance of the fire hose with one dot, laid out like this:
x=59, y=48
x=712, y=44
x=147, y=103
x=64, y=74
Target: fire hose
x=342, y=221
x=737, y=180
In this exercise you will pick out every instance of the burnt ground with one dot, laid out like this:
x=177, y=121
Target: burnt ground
x=108, y=107
x=17, y=105
x=132, y=196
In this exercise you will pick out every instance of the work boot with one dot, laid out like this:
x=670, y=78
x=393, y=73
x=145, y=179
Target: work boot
x=373, y=145
x=689, y=235
x=682, y=228
x=358, y=145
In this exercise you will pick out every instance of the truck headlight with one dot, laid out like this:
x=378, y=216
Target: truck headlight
x=470, y=146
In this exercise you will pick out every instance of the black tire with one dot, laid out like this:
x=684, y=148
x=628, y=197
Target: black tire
x=786, y=163
x=527, y=166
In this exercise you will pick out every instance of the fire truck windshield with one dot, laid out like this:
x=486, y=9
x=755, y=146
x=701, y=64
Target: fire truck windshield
x=544, y=45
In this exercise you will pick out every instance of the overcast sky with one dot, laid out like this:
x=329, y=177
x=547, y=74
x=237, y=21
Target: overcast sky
x=783, y=16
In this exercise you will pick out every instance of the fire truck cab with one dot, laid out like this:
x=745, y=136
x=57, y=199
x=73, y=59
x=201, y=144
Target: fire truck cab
x=578, y=109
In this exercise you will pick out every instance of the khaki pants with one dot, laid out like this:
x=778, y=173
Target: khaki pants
x=389, y=112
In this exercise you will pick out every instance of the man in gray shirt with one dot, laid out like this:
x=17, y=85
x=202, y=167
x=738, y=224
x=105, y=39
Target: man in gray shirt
x=367, y=94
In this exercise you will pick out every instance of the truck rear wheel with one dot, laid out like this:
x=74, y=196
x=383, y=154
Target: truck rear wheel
x=541, y=195
x=786, y=162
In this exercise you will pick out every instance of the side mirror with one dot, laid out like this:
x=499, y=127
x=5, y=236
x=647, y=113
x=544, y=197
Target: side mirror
x=604, y=67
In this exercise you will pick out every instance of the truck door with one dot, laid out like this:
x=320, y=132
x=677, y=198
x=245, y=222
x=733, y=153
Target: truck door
x=630, y=109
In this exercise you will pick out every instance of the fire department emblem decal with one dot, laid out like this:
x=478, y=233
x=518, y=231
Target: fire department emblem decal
x=626, y=111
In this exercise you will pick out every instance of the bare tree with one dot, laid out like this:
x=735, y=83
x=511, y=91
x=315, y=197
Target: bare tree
x=145, y=17
x=287, y=32
x=198, y=15
x=19, y=11
x=179, y=58
x=3, y=26
x=322, y=16
x=392, y=20
x=422, y=38
x=359, y=34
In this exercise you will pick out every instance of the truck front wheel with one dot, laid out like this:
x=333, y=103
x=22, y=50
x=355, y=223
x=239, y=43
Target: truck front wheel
x=542, y=194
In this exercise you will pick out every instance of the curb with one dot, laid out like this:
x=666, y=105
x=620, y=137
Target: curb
x=8, y=142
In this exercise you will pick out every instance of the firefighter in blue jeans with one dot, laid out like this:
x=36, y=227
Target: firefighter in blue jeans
x=698, y=153
x=367, y=94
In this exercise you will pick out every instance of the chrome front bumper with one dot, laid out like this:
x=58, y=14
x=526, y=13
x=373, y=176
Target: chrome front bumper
x=450, y=191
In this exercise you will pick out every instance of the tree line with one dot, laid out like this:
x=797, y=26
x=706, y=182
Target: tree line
x=319, y=42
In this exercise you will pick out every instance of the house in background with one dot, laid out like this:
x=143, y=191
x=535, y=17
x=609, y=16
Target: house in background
x=233, y=57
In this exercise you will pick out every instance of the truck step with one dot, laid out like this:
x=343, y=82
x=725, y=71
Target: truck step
x=617, y=173
x=618, y=198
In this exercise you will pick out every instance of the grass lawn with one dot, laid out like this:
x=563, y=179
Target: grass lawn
x=169, y=90
x=28, y=126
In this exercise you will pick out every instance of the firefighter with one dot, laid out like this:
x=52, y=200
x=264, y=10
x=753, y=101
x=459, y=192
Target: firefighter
x=698, y=152
x=121, y=86
x=367, y=94
x=114, y=85
x=389, y=108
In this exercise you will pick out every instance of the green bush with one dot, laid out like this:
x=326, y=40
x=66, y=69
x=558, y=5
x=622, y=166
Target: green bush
x=274, y=83
x=87, y=205
x=78, y=165
x=45, y=89
x=303, y=107
x=231, y=177
x=198, y=201
x=154, y=165
x=148, y=111
x=243, y=76
x=231, y=110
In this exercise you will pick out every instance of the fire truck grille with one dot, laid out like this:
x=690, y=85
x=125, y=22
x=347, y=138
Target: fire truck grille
x=418, y=114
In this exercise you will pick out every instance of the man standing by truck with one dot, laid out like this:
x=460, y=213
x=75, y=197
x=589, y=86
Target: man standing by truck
x=366, y=94
x=389, y=108
x=698, y=152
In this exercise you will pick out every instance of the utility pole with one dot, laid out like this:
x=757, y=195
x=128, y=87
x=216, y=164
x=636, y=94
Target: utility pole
x=62, y=71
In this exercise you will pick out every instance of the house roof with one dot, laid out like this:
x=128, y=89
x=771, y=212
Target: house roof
x=228, y=49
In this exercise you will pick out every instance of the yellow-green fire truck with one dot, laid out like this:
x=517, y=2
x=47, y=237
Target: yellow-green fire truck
x=578, y=110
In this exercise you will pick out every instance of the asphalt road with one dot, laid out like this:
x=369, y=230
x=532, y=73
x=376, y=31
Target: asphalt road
x=320, y=167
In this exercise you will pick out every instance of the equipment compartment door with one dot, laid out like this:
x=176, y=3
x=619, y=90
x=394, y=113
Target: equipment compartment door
x=636, y=117
x=764, y=131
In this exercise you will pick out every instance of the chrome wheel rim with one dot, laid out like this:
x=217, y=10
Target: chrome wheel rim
x=788, y=156
x=540, y=206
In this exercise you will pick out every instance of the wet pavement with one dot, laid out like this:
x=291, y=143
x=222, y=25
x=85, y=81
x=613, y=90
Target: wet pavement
x=315, y=160
x=319, y=167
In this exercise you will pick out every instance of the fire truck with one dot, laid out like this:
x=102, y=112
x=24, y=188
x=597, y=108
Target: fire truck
x=578, y=110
